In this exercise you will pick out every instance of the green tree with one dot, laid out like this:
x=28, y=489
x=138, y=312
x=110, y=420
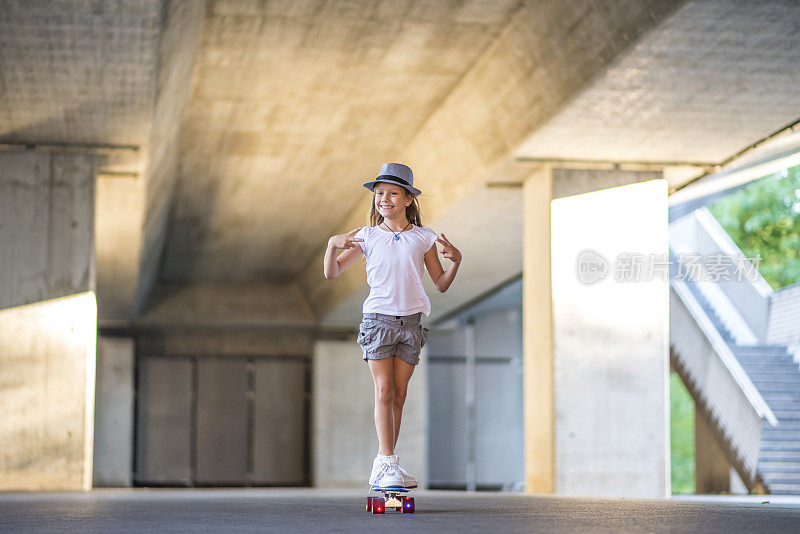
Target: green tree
x=764, y=219
x=681, y=436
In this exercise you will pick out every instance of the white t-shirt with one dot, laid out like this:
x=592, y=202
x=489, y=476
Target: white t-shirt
x=395, y=269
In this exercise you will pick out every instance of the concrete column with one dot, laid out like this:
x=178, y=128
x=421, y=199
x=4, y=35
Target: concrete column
x=119, y=206
x=611, y=339
x=537, y=339
x=113, y=430
x=712, y=473
x=344, y=440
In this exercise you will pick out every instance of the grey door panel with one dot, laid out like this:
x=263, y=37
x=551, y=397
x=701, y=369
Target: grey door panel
x=164, y=421
x=221, y=421
x=279, y=428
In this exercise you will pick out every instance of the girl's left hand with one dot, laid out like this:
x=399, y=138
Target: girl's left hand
x=448, y=250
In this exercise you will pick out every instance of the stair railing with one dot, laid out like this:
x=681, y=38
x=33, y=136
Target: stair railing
x=735, y=406
x=750, y=295
x=783, y=327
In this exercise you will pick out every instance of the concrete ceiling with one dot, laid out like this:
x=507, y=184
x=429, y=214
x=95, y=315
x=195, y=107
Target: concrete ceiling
x=709, y=81
x=293, y=106
x=254, y=129
x=78, y=72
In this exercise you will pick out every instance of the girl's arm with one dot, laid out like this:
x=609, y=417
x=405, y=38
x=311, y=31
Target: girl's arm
x=336, y=265
x=441, y=278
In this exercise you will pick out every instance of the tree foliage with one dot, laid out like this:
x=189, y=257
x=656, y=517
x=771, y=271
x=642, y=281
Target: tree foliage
x=764, y=219
x=681, y=436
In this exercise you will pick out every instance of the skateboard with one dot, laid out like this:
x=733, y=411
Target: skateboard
x=392, y=498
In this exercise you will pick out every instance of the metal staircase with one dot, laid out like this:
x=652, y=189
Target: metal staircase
x=770, y=368
x=777, y=378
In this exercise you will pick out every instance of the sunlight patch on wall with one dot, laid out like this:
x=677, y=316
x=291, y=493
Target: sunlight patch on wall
x=47, y=357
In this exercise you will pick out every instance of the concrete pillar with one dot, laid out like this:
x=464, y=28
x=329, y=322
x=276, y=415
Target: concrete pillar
x=712, y=473
x=344, y=440
x=48, y=329
x=611, y=336
x=113, y=429
x=118, y=242
x=537, y=337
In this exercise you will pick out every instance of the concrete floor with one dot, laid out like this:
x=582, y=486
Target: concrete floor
x=327, y=510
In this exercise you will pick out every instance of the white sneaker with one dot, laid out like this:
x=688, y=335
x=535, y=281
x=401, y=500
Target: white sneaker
x=408, y=480
x=376, y=468
x=388, y=475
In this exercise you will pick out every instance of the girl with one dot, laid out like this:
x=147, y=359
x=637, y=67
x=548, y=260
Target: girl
x=395, y=246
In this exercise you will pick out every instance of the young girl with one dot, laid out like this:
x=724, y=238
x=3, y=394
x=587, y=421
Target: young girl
x=395, y=246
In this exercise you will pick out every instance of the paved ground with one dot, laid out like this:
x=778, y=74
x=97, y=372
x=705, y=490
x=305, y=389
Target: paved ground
x=325, y=510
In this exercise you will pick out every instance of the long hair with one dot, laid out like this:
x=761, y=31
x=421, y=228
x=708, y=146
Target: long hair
x=413, y=211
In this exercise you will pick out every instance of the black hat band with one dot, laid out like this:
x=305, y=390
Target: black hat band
x=393, y=179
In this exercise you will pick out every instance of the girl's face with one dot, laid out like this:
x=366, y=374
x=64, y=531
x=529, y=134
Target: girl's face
x=390, y=200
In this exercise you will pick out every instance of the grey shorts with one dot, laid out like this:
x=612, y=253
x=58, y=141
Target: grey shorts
x=384, y=336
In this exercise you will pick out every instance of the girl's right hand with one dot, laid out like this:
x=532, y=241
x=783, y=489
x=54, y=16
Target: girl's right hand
x=345, y=240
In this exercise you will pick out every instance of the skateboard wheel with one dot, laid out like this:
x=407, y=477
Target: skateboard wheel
x=408, y=505
x=378, y=505
x=369, y=503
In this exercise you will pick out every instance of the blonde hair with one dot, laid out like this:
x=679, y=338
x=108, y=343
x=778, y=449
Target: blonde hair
x=413, y=211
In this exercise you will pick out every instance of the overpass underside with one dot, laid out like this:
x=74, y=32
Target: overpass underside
x=184, y=163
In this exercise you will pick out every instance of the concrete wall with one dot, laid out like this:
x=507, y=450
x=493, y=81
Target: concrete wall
x=611, y=362
x=252, y=377
x=492, y=428
x=47, y=354
x=569, y=182
x=113, y=428
x=46, y=226
x=47, y=344
x=206, y=340
x=344, y=439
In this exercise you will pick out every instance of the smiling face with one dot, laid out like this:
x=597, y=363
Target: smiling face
x=391, y=200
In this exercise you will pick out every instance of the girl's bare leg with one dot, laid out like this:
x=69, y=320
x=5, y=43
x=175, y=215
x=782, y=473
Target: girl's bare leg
x=402, y=375
x=382, y=375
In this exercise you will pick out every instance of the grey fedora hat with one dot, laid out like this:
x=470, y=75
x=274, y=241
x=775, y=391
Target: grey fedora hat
x=395, y=173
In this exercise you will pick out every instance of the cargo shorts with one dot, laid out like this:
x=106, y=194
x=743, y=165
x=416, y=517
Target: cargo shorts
x=383, y=336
